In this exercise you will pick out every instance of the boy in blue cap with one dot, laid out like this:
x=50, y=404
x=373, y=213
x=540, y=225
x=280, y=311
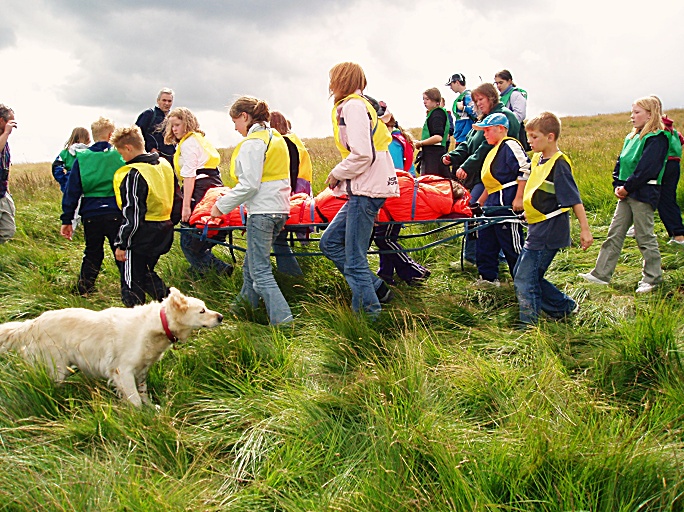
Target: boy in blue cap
x=504, y=173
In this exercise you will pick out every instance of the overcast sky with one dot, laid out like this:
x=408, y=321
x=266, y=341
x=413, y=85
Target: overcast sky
x=66, y=62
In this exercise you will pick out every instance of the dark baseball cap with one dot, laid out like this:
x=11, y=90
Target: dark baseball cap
x=456, y=77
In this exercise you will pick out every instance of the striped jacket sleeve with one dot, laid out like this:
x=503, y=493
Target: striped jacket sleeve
x=134, y=191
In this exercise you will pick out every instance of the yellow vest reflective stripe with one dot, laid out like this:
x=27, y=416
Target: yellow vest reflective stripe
x=305, y=167
x=214, y=157
x=276, y=159
x=160, y=186
x=539, y=196
x=381, y=136
x=488, y=180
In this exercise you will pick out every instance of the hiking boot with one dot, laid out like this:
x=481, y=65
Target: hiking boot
x=387, y=279
x=225, y=269
x=485, y=283
x=592, y=278
x=674, y=241
x=419, y=281
x=384, y=293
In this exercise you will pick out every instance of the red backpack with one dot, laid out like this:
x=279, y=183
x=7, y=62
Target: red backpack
x=407, y=148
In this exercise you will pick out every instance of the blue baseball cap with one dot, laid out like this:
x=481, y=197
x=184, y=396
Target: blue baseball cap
x=492, y=120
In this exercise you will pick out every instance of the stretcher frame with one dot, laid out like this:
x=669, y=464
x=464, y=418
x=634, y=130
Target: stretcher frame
x=454, y=227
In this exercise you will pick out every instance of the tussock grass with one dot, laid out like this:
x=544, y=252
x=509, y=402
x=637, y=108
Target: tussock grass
x=439, y=405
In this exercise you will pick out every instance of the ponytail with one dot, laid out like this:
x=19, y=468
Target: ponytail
x=256, y=108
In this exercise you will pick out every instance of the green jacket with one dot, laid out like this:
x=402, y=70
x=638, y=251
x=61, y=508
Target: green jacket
x=470, y=155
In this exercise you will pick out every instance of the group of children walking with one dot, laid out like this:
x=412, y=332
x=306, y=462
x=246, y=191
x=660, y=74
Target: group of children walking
x=133, y=198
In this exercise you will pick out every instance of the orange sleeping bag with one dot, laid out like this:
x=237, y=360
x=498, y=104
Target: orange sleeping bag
x=425, y=198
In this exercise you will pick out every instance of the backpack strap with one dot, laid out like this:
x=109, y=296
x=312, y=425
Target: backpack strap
x=243, y=215
x=416, y=185
x=320, y=214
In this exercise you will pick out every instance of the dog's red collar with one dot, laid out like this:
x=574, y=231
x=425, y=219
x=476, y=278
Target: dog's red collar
x=165, y=325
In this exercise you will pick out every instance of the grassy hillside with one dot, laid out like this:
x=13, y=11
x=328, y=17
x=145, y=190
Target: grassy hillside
x=440, y=405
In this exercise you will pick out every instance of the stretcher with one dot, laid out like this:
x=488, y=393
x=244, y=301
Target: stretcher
x=435, y=232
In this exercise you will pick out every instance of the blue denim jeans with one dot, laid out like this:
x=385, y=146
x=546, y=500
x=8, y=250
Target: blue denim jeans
x=257, y=273
x=286, y=262
x=345, y=242
x=534, y=293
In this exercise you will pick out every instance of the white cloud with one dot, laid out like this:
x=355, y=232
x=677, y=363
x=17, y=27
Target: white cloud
x=73, y=61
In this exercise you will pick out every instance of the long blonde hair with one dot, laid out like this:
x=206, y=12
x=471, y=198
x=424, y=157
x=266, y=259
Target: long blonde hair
x=187, y=117
x=78, y=134
x=653, y=106
x=345, y=79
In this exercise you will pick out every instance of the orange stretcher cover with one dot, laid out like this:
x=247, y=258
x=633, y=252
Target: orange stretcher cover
x=424, y=198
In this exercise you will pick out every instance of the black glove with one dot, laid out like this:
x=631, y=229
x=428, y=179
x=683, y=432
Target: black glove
x=476, y=209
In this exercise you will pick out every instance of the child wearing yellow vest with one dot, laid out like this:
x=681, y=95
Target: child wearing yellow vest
x=196, y=163
x=504, y=172
x=144, y=190
x=550, y=193
x=636, y=181
x=367, y=177
x=261, y=166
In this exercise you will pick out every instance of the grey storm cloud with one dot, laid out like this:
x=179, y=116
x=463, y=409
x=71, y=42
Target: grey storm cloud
x=7, y=35
x=206, y=51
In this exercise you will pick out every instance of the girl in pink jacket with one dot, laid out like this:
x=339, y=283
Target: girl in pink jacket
x=366, y=175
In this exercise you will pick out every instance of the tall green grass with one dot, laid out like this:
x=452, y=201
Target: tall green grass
x=439, y=405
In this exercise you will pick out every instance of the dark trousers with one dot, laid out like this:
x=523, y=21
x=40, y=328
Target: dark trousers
x=668, y=209
x=469, y=249
x=386, y=237
x=505, y=236
x=197, y=252
x=139, y=278
x=96, y=230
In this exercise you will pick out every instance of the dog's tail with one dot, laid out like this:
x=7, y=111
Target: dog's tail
x=13, y=335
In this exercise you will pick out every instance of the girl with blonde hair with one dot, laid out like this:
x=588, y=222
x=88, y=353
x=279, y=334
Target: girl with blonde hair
x=196, y=163
x=636, y=181
x=260, y=165
x=366, y=175
x=61, y=167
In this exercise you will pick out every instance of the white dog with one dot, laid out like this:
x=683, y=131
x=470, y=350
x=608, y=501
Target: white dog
x=118, y=344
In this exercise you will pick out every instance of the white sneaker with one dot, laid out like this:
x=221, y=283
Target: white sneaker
x=645, y=288
x=592, y=279
x=485, y=283
x=674, y=241
x=630, y=232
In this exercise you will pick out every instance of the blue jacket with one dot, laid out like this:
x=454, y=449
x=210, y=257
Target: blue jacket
x=470, y=155
x=150, y=125
x=90, y=206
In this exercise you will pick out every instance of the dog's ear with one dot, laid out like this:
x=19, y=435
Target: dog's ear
x=177, y=300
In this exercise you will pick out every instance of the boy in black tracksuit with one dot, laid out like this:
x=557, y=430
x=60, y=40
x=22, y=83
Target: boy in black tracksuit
x=145, y=189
